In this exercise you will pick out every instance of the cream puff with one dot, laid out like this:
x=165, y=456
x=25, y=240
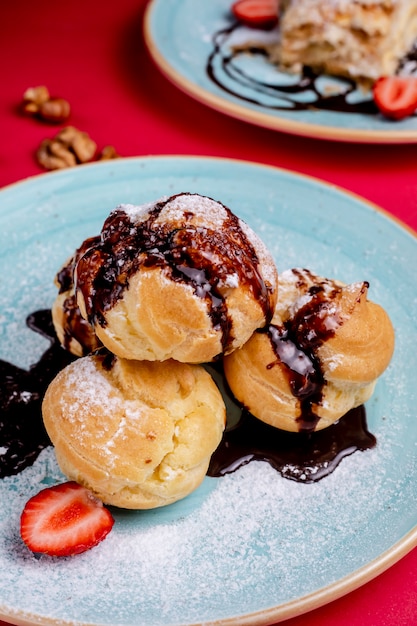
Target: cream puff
x=182, y=278
x=138, y=434
x=320, y=357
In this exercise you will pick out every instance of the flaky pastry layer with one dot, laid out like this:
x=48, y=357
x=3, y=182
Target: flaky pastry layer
x=361, y=39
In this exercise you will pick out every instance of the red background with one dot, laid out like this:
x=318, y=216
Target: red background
x=91, y=52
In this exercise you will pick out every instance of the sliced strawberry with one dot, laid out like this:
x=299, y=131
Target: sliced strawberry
x=256, y=13
x=64, y=520
x=396, y=96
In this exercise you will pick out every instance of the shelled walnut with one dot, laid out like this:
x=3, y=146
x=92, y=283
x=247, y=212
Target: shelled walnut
x=38, y=102
x=68, y=148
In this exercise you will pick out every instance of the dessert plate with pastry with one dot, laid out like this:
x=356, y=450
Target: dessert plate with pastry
x=328, y=69
x=207, y=398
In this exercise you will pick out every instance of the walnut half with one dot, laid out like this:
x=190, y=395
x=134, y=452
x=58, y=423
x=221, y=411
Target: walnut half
x=68, y=148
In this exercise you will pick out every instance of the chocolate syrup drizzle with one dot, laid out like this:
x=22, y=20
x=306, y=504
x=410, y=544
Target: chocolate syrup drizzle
x=296, y=342
x=194, y=255
x=74, y=326
x=408, y=65
x=223, y=70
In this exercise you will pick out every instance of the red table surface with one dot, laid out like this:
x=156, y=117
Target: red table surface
x=92, y=53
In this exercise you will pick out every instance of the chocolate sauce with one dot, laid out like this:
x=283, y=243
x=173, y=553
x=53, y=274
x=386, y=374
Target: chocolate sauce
x=408, y=64
x=74, y=326
x=65, y=276
x=304, y=457
x=296, y=342
x=223, y=70
x=303, y=371
x=194, y=255
x=22, y=434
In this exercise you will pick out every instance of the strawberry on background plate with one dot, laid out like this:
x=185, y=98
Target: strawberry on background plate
x=256, y=13
x=396, y=96
x=64, y=520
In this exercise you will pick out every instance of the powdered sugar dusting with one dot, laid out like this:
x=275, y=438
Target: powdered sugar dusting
x=138, y=212
x=90, y=384
x=204, y=210
x=332, y=362
x=92, y=393
x=201, y=207
x=243, y=531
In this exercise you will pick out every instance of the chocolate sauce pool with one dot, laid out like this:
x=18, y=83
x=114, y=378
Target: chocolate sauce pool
x=22, y=434
x=305, y=94
x=306, y=457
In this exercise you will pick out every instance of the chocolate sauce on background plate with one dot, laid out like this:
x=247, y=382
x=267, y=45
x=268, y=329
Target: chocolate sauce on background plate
x=408, y=65
x=300, y=95
x=305, y=457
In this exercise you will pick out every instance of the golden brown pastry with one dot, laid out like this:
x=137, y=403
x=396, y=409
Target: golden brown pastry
x=320, y=357
x=74, y=332
x=181, y=278
x=361, y=39
x=138, y=434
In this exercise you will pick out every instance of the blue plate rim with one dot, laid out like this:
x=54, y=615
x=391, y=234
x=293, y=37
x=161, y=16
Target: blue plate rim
x=258, y=118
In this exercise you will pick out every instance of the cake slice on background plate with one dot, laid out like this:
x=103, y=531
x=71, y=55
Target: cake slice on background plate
x=359, y=39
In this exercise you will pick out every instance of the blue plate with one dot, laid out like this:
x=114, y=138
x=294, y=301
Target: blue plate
x=252, y=547
x=187, y=42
